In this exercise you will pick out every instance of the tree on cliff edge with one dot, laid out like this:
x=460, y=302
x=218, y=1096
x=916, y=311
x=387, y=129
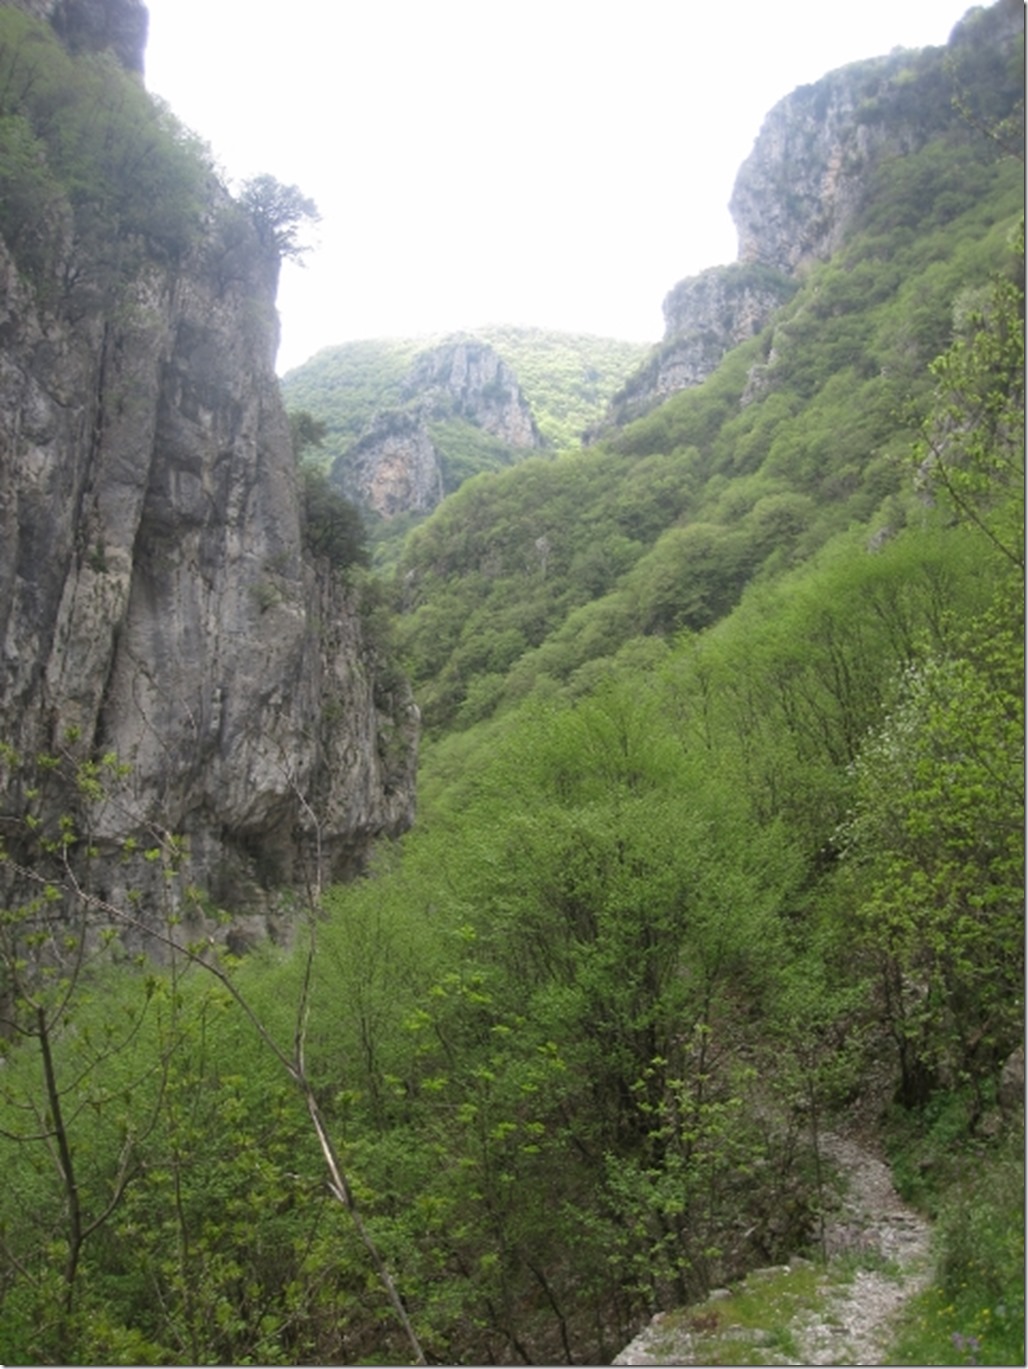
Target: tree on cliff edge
x=280, y=213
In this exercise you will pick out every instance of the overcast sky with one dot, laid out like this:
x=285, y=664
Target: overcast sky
x=552, y=162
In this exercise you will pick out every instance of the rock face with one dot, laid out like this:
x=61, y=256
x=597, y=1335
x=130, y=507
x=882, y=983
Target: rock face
x=468, y=379
x=705, y=316
x=808, y=177
x=800, y=189
x=155, y=599
x=805, y=184
x=118, y=26
x=396, y=466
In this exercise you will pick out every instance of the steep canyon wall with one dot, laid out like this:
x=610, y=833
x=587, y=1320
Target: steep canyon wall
x=808, y=180
x=155, y=598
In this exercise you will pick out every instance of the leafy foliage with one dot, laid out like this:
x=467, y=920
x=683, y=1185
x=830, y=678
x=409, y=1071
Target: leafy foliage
x=566, y=378
x=345, y=386
x=661, y=527
x=280, y=214
x=306, y=431
x=332, y=525
x=974, y=1312
x=721, y=820
x=87, y=157
x=975, y=434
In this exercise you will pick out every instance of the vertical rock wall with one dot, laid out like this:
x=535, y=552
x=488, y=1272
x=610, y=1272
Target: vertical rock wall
x=155, y=599
x=807, y=180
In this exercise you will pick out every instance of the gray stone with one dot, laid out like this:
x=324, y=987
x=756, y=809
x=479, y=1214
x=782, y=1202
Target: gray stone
x=796, y=198
x=1011, y=1082
x=118, y=26
x=394, y=467
x=155, y=597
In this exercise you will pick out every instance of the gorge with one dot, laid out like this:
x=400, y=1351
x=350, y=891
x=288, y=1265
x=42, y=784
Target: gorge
x=174, y=619
x=686, y=1020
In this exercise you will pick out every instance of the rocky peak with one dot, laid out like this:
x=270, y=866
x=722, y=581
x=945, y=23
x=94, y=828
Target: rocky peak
x=469, y=379
x=118, y=26
x=803, y=187
x=804, y=184
x=396, y=466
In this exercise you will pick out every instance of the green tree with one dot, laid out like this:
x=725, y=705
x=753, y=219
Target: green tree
x=936, y=836
x=937, y=827
x=306, y=431
x=281, y=214
x=972, y=450
x=74, y=1100
x=332, y=526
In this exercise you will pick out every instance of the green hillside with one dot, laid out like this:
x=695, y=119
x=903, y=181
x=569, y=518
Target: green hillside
x=723, y=808
x=345, y=386
x=719, y=847
x=567, y=379
x=532, y=573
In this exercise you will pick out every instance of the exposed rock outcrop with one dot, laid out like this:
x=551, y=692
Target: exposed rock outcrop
x=806, y=183
x=801, y=187
x=155, y=599
x=117, y=26
x=705, y=316
x=397, y=466
x=468, y=379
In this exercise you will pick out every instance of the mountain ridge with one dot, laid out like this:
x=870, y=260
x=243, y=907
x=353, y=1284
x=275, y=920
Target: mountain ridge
x=807, y=181
x=382, y=404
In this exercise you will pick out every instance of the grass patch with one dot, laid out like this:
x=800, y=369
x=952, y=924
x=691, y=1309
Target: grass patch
x=974, y=1311
x=845, y=1267
x=937, y=1329
x=766, y=1302
x=754, y=1325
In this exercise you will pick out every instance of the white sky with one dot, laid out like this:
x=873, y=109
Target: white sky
x=553, y=162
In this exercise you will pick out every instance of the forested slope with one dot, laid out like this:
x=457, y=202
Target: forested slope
x=395, y=441
x=566, y=377
x=801, y=432
x=720, y=840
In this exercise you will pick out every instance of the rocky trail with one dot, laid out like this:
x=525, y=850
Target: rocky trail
x=842, y=1313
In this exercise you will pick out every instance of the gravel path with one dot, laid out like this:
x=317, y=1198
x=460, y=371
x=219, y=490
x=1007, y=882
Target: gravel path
x=855, y=1323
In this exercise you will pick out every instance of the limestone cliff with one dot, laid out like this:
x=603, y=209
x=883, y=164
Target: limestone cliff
x=155, y=598
x=469, y=379
x=399, y=465
x=806, y=183
x=705, y=316
x=117, y=26
x=394, y=467
x=808, y=178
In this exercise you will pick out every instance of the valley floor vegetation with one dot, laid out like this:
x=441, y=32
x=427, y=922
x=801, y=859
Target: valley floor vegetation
x=575, y=1040
x=720, y=843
